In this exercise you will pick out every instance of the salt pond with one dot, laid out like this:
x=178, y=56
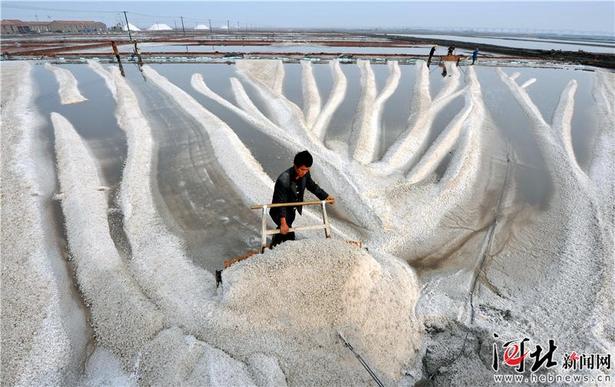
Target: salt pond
x=484, y=197
x=203, y=212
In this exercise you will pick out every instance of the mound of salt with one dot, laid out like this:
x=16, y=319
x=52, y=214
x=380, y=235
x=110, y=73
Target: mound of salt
x=174, y=358
x=309, y=289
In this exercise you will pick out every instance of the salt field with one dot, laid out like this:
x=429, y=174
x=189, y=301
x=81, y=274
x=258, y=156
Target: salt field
x=483, y=196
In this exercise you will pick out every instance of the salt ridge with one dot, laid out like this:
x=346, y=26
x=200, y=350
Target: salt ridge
x=159, y=261
x=365, y=138
x=311, y=96
x=362, y=128
x=447, y=139
x=457, y=195
x=336, y=96
x=104, y=74
x=180, y=289
x=41, y=322
x=102, y=275
x=410, y=145
x=69, y=90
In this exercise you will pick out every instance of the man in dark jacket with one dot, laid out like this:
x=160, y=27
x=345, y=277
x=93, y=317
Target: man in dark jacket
x=474, y=55
x=289, y=188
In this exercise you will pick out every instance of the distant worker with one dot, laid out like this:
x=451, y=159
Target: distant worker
x=431, y=52
x=451, y=49
x=289, y=188
x=137, y=53
x=474, y=55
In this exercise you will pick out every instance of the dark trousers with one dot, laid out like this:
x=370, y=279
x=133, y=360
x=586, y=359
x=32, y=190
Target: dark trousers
x=279, y=238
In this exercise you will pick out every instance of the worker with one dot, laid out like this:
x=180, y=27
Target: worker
x=431, y=52
x=451, y=50
x=289, y=188
x=137, y=53
x=474, y=55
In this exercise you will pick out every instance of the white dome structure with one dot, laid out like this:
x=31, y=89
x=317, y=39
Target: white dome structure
x=132, y=27
x=201, y=27
x=160, y=27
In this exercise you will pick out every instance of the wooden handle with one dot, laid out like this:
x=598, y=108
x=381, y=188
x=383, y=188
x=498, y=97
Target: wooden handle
x=273, y=205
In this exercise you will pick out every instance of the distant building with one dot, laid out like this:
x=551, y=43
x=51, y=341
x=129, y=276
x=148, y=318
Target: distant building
x=14, y=27
x=39, y=27
x=62, y=26
x=76, y=26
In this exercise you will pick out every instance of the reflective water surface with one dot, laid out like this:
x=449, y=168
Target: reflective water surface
x=197, y=200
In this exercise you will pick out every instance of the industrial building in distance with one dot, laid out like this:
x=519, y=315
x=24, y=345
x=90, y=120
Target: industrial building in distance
x=13, y=26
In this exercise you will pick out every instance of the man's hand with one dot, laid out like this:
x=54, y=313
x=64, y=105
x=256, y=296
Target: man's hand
x=330, y=199
x=283, y=226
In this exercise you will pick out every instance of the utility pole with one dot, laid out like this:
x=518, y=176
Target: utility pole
x=183, y=29
x=210, y=30
x=127, y=26
x=228, y=27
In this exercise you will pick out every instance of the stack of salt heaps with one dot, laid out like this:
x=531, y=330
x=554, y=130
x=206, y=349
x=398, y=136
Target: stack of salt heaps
x=159, y=27
x=132, y=27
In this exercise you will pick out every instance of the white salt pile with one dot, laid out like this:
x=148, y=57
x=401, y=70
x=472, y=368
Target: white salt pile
x=160, y=27
x=296, y=298
x=130, y=26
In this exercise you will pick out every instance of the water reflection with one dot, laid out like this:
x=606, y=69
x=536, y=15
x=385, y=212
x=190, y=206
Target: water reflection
x=190, y=188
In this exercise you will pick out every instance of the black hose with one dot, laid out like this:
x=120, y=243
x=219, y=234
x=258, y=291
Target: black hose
x=363, y=363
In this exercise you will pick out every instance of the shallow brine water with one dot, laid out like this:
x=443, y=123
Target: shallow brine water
x=199, y=202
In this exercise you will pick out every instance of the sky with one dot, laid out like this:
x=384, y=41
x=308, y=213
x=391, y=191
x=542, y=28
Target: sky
x=596, y=17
